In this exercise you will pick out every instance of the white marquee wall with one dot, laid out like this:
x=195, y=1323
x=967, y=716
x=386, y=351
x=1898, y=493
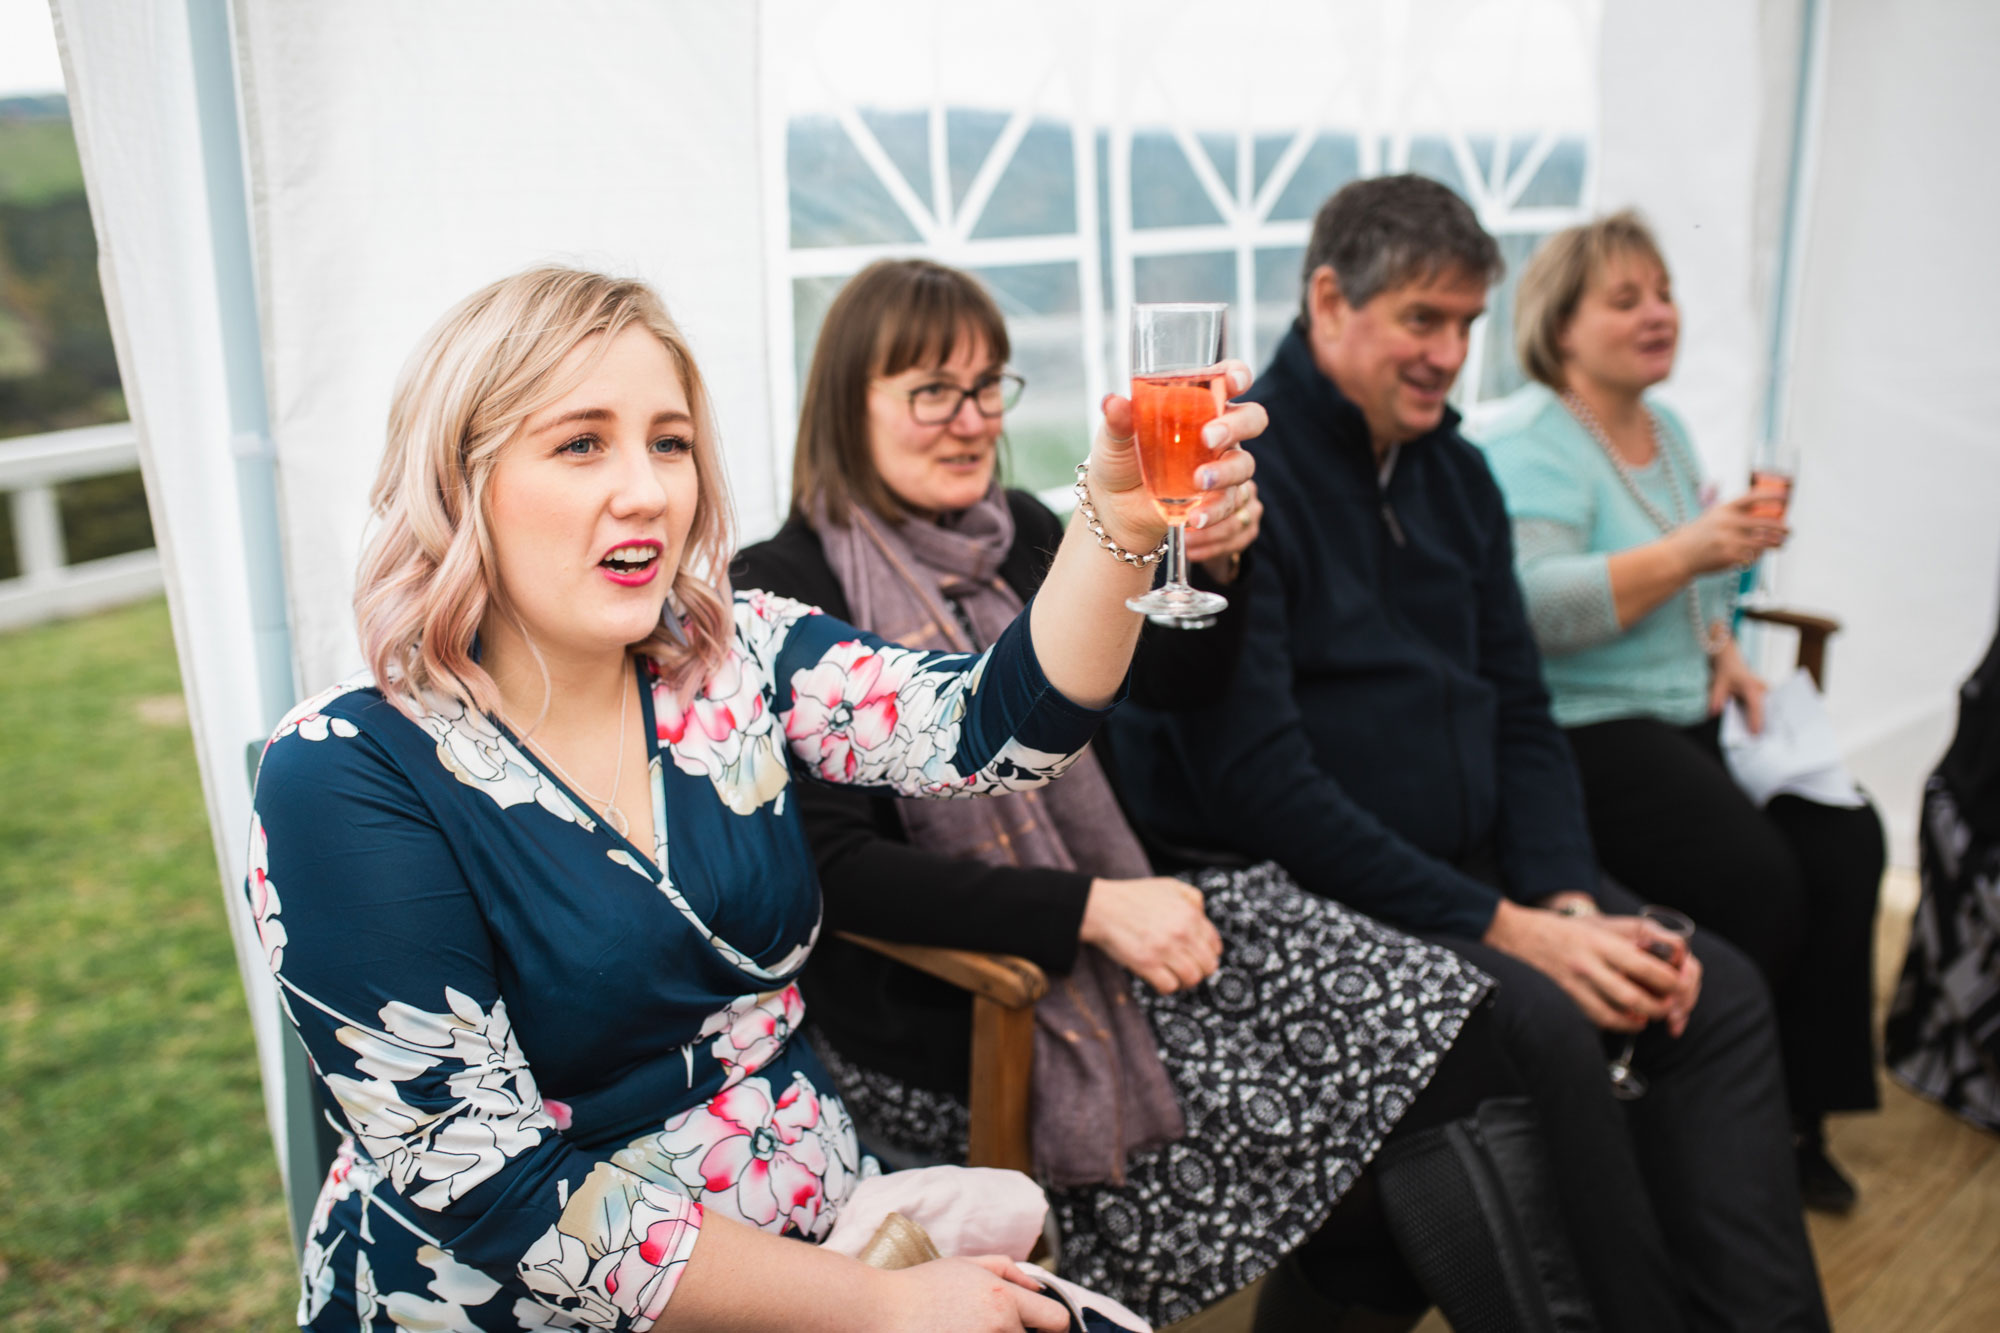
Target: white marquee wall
x=1894, y=396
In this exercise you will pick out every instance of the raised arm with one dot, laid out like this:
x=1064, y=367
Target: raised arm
x=1082, y=632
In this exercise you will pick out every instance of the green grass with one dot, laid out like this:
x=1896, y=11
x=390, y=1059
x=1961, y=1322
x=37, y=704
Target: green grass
x=138, y=1190
x=38, y=161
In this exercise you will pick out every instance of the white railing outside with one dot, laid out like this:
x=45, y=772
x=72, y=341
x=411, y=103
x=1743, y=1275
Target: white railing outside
x=49, y=587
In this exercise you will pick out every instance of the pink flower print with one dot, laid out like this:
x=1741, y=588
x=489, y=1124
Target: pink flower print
x=558, y=1112
x=839, y=708
x=728, y=702
x=754, y=1029
x=765, y=1155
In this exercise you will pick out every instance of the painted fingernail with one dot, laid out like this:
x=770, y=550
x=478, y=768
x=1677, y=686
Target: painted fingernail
x=1206, y=478
x=1239, y=379
x=1215, y=435
x=1201, y=519
x=1105, y=404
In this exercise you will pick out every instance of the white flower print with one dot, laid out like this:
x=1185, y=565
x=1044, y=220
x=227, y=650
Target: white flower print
x=306, y=721
x=473, y=750
x=264, y=904
x=367, y=1297
x=316, y=1278
x=498, y=1114
x=456, y=1286
x=754, y=1029
x=726, y=734
x=616, y=1252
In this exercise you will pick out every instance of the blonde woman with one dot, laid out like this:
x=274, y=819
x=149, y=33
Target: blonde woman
x=533, y=889
x=1627, y=579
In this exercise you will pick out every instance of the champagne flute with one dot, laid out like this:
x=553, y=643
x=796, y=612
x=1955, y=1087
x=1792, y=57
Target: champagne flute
x=1772, y=474
x=1178, y=387
x=1626, y=1083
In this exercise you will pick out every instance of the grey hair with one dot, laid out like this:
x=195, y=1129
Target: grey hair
x=1388, y=231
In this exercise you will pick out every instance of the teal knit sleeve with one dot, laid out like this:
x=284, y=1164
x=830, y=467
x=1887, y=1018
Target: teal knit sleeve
x=1567, y=587
x=1552, y=500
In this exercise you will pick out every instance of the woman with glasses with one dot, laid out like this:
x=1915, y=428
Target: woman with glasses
x=1221, y=1054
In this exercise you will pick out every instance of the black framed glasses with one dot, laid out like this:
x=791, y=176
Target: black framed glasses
x=937, y=403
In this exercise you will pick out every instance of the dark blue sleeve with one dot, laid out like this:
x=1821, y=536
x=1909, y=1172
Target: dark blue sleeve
x=1541, y=838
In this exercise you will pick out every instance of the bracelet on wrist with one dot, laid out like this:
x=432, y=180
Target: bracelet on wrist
x=1089, y=512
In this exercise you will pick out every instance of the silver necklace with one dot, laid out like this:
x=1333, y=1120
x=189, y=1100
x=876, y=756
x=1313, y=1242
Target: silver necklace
x=608, y=805
x=1706, y=636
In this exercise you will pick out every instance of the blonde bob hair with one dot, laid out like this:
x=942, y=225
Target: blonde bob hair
x=1554, y=281
x=429, y=577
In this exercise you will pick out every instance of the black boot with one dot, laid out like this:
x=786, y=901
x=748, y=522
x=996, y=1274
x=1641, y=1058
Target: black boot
x=1289, y=1303
x=1473, y=1212
x=1823, y=1186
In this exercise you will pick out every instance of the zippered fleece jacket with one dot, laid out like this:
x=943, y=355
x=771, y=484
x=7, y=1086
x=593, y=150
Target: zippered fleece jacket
x=1386, y=736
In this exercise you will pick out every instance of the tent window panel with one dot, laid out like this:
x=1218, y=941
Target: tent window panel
x=835, y=198
x=1046, y=432
x=1165, y=191
x=1558, y=182
x=1036, y=195
x=1332, y=161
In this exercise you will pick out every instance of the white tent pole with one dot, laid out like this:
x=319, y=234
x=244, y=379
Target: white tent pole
x=213, y=58
x=1808, y=95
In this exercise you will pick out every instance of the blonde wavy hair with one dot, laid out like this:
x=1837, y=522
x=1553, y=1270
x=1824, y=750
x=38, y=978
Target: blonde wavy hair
x=429, y=577
x=1553, y=284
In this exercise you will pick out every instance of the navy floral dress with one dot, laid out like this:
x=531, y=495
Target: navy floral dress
x=549, y=1053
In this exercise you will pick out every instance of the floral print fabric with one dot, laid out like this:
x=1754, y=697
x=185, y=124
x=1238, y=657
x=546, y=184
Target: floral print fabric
x=548, y=1050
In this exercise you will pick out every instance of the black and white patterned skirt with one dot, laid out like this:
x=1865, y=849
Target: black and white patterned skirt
x=1292, y=1061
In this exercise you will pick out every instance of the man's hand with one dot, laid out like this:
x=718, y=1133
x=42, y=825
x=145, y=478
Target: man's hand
x=1687, y=988
x=1600, y=961
x=1154, y=928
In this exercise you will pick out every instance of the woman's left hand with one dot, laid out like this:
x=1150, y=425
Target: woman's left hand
x=1732, y=678
x=1119, y=494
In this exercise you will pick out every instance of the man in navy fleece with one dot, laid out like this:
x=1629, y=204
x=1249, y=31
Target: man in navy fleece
x=1387, y=739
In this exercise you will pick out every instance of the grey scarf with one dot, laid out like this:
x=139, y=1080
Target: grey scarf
x=1099, y=1090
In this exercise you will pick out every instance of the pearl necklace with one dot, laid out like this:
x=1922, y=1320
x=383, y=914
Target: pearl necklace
x=608, y=806
x=1709, y=638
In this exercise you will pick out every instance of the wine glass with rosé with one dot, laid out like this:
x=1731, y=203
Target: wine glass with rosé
x=1178, y=386
x=1772, y=474
x=1672, y=931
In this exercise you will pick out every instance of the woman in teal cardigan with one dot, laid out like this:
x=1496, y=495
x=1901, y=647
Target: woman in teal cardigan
x=1628, y=580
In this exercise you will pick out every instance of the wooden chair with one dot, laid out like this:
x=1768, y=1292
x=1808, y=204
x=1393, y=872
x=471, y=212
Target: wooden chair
x=1813, y=632
x=1004, y=990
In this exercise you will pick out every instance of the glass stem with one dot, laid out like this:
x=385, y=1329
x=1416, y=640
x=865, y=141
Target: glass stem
x=1177, y=564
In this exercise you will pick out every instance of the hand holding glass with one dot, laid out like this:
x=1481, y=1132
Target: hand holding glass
x=1178, y=386
x=1676, y=930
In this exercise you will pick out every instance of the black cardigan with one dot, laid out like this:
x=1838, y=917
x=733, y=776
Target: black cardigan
x=1388, y=737
x=872, y=1009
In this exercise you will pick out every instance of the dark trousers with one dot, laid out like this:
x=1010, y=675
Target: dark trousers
x=1793, y=886
x=1683, y=1205
x=1351, y=1259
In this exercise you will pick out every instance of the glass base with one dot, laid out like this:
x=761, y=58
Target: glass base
x=1626, y=1084
x=1183, y=622
x=1179, y=603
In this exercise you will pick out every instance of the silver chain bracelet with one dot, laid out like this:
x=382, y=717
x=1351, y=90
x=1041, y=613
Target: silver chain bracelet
x=1089, y=513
